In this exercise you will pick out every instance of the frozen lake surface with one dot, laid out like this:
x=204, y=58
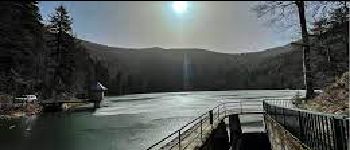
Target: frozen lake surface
x=129, y=122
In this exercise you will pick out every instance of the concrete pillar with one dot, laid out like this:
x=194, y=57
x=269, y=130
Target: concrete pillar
x=60, y=107
x=97, y=104
x=220, y=137
x=235, y=131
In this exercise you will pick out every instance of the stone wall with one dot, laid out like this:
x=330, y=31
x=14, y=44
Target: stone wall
x=280, y=138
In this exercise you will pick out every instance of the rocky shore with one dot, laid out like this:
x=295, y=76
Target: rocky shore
x=28, y=109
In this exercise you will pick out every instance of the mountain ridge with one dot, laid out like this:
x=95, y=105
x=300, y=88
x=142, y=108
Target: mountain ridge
x=163, y=69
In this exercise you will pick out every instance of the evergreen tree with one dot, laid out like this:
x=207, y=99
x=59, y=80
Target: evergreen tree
x=21, y=42
x=63, y=48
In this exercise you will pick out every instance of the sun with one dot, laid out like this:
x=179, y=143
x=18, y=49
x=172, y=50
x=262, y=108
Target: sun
x=180, y=7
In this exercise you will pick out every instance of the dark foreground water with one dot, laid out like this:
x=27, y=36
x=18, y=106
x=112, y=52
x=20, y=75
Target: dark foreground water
x=130, y=122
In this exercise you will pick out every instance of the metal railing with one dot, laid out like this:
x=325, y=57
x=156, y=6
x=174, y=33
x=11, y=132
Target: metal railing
x=318, y=131
x=195, y=132
x=281, y=102
x=280, y=138
x=192, y=133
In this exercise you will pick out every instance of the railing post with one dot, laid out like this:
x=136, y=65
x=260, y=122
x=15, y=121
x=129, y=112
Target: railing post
x=306, y=127
x=324, y=138
x=313, y=135
x=315, y=131
x=224, y=110
x=201, y=129
x=275, y=112
x=301, y=130
x=266, y=108
x=218, y=114
x=179, y=139
x=324, y=146
x=347, y=132
x=338, y=134
x=240, y=104
x=211, y=117
x=319, y=132
x=333, y=137
x=284, y=118
x=328, y=132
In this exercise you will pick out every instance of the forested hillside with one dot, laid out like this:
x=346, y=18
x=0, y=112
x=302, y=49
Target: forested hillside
x=156, y=69
x=41, y=58
x=50, y=60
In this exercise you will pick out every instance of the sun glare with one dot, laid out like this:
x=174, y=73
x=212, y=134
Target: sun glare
x=180, y=7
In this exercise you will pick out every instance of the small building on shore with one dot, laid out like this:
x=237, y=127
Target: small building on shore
x=96, y=93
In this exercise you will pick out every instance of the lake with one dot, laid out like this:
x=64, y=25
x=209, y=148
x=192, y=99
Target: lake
x=129, y=122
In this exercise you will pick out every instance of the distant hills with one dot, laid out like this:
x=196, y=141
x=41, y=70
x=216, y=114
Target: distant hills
x=158, y=69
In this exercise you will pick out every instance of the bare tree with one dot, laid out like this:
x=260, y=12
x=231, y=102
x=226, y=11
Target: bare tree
x=286, y=14
x=306, y=51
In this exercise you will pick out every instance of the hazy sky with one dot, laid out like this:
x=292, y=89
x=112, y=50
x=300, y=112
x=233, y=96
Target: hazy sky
x=218, y=26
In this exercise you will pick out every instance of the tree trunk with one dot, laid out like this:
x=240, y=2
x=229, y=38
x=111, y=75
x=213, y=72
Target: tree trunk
x=308, y=78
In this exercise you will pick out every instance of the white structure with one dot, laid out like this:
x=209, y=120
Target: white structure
x=26, y=99
x=97, y=93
